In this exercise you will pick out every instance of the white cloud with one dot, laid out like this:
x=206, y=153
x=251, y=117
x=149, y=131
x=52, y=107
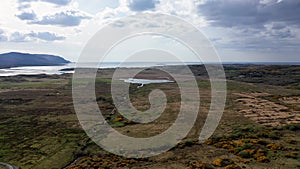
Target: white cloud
x=70, y=22
x=3, y=37
x=56, y=2
x=142, y=5
x=34, y=36
x=27, y=15
x=64, y=18
x=187, y=10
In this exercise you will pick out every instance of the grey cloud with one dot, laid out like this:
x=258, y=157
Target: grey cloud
x=27, y=16
x=249, y=25
x=263, y=45
x=272, y=31
x=18, y=37
x=21, y=1
x=47, y=36
x=277, y=25
x=56, y=2
x=23, y=6
x=281, y=33
x=68, y=18
x=26, y=37
x=228, y=12
x=3, y=37
x=231, y=13
x=142, y=5
x=118, y=24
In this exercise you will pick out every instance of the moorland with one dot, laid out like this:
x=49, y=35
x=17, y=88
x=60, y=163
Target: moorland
x=260, y=127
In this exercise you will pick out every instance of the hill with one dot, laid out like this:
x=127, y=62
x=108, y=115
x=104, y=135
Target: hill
x=15, y=59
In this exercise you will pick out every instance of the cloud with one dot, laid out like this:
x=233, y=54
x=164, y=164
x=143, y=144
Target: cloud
x=278, y=25
x=188, y=10
x=65, y=18
x=33, y=36
x=66, y=13
x=287, y=33
x=23, y=6
x=18, y=37
x=142, y=5
x=255, y=13
x=56, y=2
x=27, y=16
x=258, y=26
x=3, y=37
x=118, y=24
x=280, y=30
x=46, y=36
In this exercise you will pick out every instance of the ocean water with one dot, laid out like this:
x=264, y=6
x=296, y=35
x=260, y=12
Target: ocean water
x=48, y=70
x=36, y=70
x=58, y=70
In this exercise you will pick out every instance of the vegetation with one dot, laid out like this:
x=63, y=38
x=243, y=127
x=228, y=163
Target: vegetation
x=39, y=128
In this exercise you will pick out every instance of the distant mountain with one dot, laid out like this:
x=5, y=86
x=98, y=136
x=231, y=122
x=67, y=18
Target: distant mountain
x=15, y=59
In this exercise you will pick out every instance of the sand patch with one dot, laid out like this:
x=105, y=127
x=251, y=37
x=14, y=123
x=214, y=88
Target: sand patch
x=291, y=100
x=266, y=112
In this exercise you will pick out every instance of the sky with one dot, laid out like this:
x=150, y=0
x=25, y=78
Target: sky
x=240, y=30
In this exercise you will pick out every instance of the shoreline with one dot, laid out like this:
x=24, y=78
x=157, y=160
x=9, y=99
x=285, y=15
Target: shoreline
x=69, y=69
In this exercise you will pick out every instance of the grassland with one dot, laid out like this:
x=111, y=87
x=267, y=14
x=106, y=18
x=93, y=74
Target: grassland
x=260, y=127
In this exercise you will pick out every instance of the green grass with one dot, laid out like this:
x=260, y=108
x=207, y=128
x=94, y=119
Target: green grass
x=42, y=131
x=103, y=80
x=32, y=85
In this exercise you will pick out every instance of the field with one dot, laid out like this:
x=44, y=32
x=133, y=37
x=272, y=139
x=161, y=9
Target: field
x=260, y=127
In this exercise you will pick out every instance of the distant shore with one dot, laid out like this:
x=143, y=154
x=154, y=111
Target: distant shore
x=70, y=68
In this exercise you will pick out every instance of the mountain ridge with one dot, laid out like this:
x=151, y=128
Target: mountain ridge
x=17, y=59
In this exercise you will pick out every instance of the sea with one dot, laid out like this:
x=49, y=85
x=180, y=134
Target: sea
x=68, y=68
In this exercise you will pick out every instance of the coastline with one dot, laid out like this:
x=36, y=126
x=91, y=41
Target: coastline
x=70, y=67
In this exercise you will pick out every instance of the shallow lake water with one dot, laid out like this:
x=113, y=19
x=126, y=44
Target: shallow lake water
x=143, y=82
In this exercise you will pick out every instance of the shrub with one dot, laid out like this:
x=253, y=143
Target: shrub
x=263, y=159
x=232, y=166
x=118, y=124
x=246, y=146
x=292, y=127
x=244, y=154
x=293, y=155
x=199, y=165
x=189, y=143
x=274, y=147
x=222, y=162
x=291, y=141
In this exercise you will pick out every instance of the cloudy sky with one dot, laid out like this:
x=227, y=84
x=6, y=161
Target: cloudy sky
x=240, y=30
